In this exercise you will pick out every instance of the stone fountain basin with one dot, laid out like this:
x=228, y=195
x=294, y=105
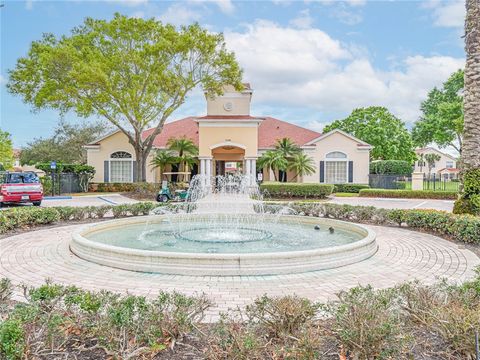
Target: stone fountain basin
x=219, y=264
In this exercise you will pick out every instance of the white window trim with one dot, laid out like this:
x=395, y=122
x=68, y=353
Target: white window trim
x=345, y=159
x=119, y=159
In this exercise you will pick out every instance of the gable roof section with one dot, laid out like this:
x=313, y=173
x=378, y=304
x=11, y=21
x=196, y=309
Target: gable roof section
x=271, y=130
x=186, y=127
x=359, y=142
x=429, y=148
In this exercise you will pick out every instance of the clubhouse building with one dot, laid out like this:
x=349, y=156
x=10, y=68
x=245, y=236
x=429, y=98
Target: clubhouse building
x=230, y=139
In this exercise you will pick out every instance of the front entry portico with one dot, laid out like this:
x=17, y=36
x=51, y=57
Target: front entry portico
x=230, y=152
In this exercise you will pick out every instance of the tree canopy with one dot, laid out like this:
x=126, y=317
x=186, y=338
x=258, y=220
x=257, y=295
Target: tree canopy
x=381, y=129
x=133, y=72
x=64, y=146
x=442, y=115
x=6, y=150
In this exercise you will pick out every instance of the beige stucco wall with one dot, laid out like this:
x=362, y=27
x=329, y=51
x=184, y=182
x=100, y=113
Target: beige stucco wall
x=111, y=144
x=239, y=101
x=439, y=165
x=339, y=142
x=245, y=136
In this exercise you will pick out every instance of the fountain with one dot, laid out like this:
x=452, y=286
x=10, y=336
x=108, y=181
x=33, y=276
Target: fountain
x=224, y=228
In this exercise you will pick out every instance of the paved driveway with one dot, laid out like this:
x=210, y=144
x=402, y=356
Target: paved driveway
x=446, y=205
x=88, y=200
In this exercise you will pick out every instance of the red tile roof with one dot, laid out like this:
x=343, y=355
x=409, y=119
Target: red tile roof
x=229, y=117
x=269, y=131
x=185, y=127
x=272, y=129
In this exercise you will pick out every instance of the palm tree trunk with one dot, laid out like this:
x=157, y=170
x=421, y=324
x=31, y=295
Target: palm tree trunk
x=471, y=137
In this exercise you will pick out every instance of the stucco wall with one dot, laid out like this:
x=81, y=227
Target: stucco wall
x=246, y=136
x=113, y=143
x=340, y=142
x=439, y=165
x=240, y=103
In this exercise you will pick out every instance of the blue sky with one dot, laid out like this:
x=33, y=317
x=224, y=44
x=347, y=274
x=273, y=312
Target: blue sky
x=309, y=62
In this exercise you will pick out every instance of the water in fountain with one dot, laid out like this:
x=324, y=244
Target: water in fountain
x=227, y=209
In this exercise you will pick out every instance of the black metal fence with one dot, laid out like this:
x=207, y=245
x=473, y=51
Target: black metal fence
x=436, y=182
x=432, y=183
x=64, y=183
x=380, y=181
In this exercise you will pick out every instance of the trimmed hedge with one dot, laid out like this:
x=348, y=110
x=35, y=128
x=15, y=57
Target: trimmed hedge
x=349, y=188
x=464, y=228
x=409, y=194
x=391, y=167
x=25, y=217
x=296, y=190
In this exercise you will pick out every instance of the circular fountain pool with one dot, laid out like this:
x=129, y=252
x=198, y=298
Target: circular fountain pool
x=200, y=244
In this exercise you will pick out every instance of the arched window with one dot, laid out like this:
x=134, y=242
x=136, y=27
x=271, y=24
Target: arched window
x=121, y=167
x=336, y=167
x=121, y=155
x=336, y=155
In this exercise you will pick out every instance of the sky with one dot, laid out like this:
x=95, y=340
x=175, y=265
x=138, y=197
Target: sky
x=309, y=62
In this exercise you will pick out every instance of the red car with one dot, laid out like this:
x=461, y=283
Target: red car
x=20, y=187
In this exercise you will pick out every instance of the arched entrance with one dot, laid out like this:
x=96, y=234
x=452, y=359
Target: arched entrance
x=228, y=158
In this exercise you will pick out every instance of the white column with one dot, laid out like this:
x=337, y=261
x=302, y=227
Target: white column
x=254, y=170
x=202, y=166
x=209, y=170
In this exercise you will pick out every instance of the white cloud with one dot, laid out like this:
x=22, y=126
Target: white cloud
x=225, y=6
x=346, y=16
x=29, y=4
x=447, y=13
x=131, y=3
x=356, y=2
x=307, y=68
x=303, y=20
x=178, y=14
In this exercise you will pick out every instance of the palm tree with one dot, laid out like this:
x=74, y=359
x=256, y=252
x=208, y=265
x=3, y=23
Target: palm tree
x=471, y=141
x=287, y=147
x=185, y=149
x=162, y=159
x=273, y=160
x=302, y=164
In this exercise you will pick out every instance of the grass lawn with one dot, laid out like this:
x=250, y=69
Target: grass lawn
x=439, y=185
x=343, y=194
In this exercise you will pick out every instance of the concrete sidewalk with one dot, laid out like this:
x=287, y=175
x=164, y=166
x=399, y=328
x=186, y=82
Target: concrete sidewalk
x=88, y=200
x=445, y=205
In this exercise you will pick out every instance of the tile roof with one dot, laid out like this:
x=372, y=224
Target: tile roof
x=269, y=131
x=185, y=127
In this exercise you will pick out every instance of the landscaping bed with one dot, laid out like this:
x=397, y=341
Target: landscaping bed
x=410, y=321
x=279, y=190
x=409, y=194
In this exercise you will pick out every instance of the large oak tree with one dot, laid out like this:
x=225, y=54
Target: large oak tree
x=381, y=129
x=442, y=115
x=133, y=72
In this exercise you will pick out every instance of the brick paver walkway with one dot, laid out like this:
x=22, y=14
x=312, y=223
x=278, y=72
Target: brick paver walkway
x=32, y=257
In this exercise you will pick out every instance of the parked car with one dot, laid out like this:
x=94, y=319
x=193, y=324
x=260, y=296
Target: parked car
x=20, y=187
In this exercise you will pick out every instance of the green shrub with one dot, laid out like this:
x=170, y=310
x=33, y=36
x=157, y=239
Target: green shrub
x=464, y=228
x=391, y=167
x=11, y=339
x=409, y=194
x=368, y=323
x=349, y=188
x=22, y=217
x=296, y=190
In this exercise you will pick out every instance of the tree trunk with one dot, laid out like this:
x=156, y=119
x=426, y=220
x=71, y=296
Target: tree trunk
x=471, y=138
x=140, y=165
